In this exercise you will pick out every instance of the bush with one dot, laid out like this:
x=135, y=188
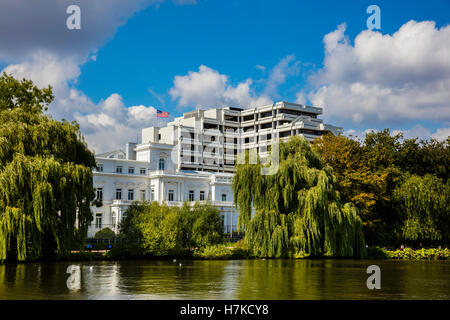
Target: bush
x=151, y=229
x=105, y=233
x=219, y=251
x=420, y=254
x=223, y=251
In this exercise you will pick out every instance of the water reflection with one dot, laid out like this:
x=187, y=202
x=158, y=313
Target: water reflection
x=246, y=279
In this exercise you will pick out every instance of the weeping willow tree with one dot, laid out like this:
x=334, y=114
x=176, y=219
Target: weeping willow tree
x=298, y=212
x=424, y=205
x=45, y=175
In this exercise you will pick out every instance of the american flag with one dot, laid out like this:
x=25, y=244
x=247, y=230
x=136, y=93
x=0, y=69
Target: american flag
x=161, y=114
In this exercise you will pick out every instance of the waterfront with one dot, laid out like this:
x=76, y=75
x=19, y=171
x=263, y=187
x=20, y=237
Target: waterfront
x=230, y=279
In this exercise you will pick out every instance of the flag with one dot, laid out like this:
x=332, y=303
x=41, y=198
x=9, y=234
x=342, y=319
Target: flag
x=161, y=114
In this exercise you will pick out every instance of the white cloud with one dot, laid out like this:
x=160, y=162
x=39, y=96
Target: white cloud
x=208, y=88
x=418, y=131
x=385, y=79
x=34, y=37
x=287, y=66
x=358, y=134
x=300, y=98
x=441, y=134
x=27, y=26
x=98, y=122
x=111, y=123
x=260, y=68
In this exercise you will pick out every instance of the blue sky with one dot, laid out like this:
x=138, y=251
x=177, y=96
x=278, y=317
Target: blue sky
x=274, y=49
x=232, y=37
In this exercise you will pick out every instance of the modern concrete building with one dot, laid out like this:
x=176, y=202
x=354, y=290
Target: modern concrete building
x=193, y=157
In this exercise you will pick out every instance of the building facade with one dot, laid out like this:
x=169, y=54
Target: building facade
x=193, y=158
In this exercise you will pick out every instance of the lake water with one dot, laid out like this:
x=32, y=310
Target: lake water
x=231, y=279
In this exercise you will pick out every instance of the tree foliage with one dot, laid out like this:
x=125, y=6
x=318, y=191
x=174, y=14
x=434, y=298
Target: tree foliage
x=45, y=175
x=298, y=210
x=160, y=230
x=425, y=205
x=377, y=175
x=105, y=233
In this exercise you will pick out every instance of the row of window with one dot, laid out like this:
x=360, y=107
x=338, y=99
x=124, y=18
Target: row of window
x=119, y=169
x=130, y=195
x=279, y=111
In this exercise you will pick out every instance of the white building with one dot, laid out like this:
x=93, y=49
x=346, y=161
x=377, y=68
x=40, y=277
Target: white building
x=192, y=158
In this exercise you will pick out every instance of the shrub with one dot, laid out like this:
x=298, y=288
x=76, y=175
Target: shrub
x=219, y=251
x=420, y=254
x=105, y=233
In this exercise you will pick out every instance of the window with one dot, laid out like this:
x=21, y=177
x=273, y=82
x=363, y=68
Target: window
x=99, y=193
x=266, y=125
x=170, y=195
x=143, y=171
x=161, y=164
x=118, y=169
x=130, y=170
x=153, y=195
x=130, y=194
x=230, y=118
x=202, y=195
x=118, y=194
x=142, y=195
x=265, y=114
x=224, y=197
x=191, y=195
x=100, y=167
x=98, y=220
x=113, y=218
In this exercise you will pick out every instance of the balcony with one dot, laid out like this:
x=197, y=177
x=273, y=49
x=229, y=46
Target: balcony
x=121, y=202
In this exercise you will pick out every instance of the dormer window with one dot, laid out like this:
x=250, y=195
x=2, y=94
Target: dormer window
x=161, y=164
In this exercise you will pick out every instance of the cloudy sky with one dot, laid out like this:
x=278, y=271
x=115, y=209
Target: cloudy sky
x=132, y=57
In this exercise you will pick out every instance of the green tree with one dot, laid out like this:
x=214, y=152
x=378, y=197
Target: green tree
x=105, y=233
x=425, y=157
x=45, y=175
x=207, y=228
x=298, y=209
x=154, y=229
x=365, y=183
x=424, y=203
